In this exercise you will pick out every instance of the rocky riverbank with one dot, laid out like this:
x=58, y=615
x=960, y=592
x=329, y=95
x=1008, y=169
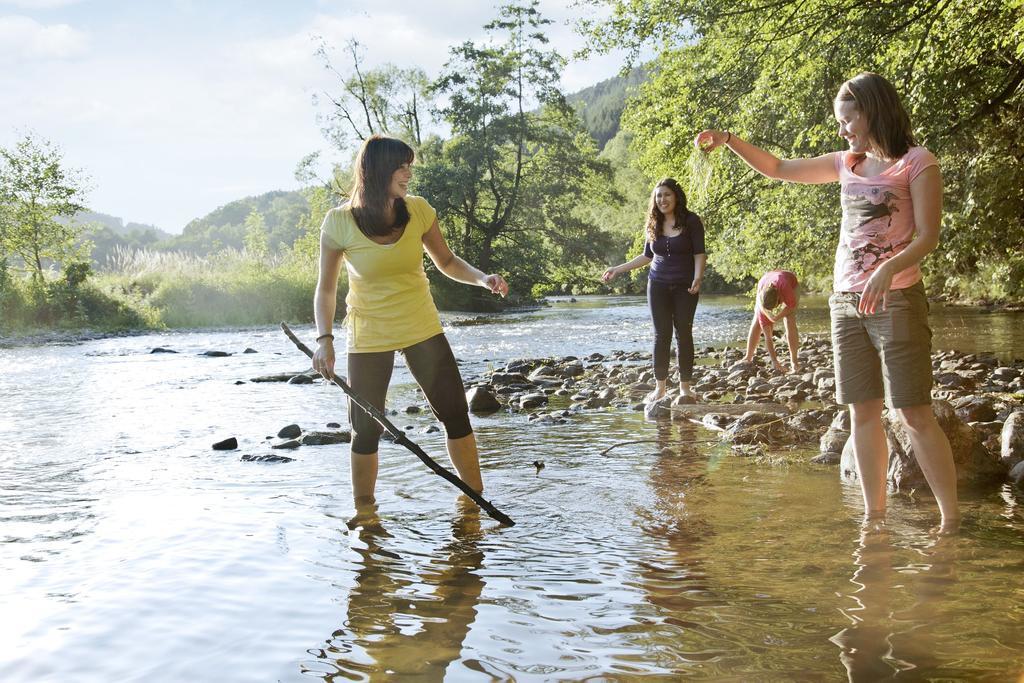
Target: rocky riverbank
x=759, y=412
x=978, y=400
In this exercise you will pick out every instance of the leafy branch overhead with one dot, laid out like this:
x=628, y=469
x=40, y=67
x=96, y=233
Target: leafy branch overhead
x=769, y=71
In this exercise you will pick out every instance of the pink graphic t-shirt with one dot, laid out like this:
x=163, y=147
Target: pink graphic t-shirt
x=878, y=219
x=785, y=283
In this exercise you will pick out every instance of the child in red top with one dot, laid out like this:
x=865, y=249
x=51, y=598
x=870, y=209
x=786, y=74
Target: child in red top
x=775, y=287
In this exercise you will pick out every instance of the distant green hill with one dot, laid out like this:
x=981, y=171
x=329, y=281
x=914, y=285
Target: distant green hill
x=225, y=226
x=600, y=106
x=107, y=233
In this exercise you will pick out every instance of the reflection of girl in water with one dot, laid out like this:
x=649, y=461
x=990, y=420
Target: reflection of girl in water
x=386, y=601
x=882, y=641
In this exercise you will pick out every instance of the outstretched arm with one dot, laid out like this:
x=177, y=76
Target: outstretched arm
x=814, y=170
x=613, y=272
x=457, y=269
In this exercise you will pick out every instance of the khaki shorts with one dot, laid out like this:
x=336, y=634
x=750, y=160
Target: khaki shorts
x=885, y=355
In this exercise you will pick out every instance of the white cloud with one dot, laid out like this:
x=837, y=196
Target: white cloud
x=38, y=4
x=23, y=39
x=170, y=132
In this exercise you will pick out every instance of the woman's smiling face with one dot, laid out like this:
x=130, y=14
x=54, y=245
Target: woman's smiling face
x=853, y=126
x=665, y=200
x=399, y=186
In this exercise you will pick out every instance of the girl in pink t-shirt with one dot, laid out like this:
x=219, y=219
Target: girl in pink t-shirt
x=775, y=287
x=891, y=196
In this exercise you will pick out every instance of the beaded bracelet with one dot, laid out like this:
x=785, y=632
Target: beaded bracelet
x=728, y=134
x=322, y=336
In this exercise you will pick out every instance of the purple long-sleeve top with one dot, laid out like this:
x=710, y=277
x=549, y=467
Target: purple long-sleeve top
x=672, y=257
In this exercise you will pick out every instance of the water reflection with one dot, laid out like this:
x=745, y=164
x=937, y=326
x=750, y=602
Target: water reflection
x=673, y=575
x=886, y=640
x=401, y=622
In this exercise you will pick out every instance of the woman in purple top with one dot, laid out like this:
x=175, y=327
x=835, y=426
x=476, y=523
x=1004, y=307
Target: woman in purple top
x=675, y=247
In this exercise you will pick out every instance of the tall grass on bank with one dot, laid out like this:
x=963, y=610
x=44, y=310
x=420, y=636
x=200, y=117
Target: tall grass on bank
x=230, y=287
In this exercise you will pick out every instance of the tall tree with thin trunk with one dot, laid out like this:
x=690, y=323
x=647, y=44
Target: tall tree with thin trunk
x=36, y=191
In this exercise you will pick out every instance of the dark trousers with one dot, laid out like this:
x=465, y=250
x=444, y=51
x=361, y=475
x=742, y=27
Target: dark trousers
x=672, y=308
x=432, y=364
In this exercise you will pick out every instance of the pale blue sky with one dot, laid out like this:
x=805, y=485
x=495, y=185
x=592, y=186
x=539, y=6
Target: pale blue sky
x=175, y=107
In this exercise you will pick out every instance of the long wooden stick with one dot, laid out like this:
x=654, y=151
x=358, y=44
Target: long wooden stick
x=401, y=438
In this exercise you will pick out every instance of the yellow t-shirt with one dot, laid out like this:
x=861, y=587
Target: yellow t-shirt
x=389, y=302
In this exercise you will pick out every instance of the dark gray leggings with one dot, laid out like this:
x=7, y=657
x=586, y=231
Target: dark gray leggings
x=672, y=308
x=432, y=364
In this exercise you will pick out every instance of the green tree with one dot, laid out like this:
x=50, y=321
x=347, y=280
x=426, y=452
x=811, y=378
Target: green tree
x=770, y=71
x=36, y=189
x=256, y=236
x=387, y=100
x=509, y=184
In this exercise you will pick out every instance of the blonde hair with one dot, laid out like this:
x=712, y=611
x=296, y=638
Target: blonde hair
x=877, y=100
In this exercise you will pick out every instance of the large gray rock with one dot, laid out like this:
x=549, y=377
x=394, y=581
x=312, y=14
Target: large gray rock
x=973, y=461
x=1011, y=440
x=755, y=427
x=481, y=400
x=1017, y=474
x=534, y=400
x=658, y=409
x=975, y=409
x=833, y=440
x=292, y=431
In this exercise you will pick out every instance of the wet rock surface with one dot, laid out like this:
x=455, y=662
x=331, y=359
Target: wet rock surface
x=755, y=409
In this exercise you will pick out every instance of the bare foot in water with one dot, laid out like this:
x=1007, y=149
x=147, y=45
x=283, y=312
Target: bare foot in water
x=948, y=527
x=655, y=395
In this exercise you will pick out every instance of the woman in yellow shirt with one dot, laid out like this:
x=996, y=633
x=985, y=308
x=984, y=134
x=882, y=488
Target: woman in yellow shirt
x=381, y=234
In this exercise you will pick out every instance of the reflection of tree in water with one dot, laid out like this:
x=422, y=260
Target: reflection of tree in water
x=393, y=627
x=885, y=641
x=676, y=581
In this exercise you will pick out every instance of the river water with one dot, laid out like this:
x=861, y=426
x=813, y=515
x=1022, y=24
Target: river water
x=131, y=551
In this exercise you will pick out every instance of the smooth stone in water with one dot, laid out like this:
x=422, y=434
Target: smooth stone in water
x=229, y=444
x=266, y=458
x=292, y=431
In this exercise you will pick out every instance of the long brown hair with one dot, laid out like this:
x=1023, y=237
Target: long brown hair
x=377, y=161
x=888, y=122
x=656, y=219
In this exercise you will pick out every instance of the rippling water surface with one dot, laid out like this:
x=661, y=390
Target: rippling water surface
x=129, y=550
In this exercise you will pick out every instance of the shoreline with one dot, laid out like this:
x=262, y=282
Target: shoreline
x=46, y=337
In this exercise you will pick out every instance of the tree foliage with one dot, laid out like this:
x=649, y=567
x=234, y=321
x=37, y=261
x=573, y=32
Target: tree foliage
x=37, y=190
x=769, y=69
x=508, y=185
x=388, y=100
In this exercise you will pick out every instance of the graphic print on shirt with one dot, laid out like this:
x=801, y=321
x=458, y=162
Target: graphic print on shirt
x=867, y=217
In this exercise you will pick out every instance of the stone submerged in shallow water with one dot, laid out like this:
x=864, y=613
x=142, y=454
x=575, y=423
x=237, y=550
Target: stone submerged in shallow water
x=228, y=444
x=292, y=431
x=277, y=377
x=215, y=354
x=481, y=400
x=287, y=445
x=161, y=349
x=1017, y=475
x=325, y=438
x=1011, y=439
x=248, y=457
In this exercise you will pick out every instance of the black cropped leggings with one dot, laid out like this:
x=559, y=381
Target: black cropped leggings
x=672, y=308
x=432, y=364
